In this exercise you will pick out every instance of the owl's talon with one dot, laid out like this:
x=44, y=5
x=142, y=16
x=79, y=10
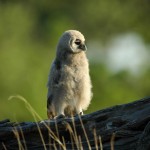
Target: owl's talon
x=81, y=113
x=59, y=117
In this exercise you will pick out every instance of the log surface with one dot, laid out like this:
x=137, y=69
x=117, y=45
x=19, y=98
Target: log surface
x=121, y=127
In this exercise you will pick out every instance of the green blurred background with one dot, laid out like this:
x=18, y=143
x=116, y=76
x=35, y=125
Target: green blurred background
x=118, y=40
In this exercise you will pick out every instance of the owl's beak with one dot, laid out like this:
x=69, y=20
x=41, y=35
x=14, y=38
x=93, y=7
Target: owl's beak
x=83, y=47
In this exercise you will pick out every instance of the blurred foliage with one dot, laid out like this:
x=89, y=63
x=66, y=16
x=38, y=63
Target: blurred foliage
x=29, y=31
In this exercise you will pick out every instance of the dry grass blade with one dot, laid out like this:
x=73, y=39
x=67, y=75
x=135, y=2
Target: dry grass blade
x=74, y=134
x=54, y=145
x=80, y=143
x=100, y=142
x=24, y=141
x=95, y=139
x=63, y=141
x=44, y=145
x=69, y=128
x=36, y=115
x=57, y=133
x=56, y=127
x=112, y=141
x=49, y=138
x=4, y=146
x=20, y=146
x=89, y=146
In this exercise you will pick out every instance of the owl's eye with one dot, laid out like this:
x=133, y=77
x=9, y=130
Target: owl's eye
x=77, y=42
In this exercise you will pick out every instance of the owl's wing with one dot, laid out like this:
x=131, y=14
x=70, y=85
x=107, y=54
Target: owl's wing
x=53, y=79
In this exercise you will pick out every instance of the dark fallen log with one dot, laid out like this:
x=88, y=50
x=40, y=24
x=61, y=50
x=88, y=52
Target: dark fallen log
x=122, y=127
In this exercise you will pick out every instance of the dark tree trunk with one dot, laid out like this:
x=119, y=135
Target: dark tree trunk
x=122, y=127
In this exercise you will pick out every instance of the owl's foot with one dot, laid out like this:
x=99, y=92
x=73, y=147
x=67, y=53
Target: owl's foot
x=60, y=116
x=81, y=113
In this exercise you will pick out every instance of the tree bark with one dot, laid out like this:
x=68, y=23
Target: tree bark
x=122, y=127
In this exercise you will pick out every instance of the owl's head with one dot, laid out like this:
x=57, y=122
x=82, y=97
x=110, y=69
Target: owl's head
x=71, y=41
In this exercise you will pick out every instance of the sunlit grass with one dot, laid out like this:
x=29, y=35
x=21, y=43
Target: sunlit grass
x=37, y=116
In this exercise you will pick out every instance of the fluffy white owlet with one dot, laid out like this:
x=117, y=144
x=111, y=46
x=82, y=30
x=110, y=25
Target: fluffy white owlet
x=69, y=84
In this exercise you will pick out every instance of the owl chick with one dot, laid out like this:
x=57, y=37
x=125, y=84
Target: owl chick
x=69, y=84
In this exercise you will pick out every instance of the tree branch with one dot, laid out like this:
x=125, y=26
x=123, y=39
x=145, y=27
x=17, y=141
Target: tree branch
x=122, y=127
